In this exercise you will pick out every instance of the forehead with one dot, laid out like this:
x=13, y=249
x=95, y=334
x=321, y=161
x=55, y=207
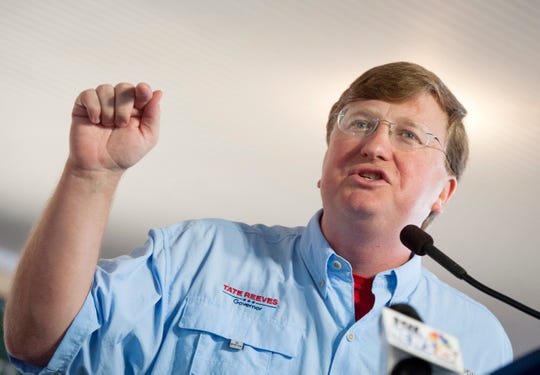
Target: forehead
x=422, y=109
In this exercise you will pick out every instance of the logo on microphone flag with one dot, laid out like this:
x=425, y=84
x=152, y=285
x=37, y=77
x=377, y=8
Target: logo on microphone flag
x=422, y=341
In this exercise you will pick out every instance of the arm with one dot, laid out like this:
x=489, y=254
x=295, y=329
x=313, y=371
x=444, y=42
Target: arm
x=112, y=128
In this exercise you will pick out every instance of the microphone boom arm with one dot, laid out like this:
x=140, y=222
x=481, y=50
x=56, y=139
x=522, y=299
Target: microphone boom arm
x=421, y=243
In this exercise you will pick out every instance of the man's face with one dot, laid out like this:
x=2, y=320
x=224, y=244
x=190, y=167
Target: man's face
x=368, y=178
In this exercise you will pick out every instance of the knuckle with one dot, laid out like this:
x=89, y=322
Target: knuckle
x=123, y=86
x=143, y=86
x=104, y=88
x=88, y=93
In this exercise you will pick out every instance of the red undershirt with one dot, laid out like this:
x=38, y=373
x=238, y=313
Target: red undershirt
x=363, y=298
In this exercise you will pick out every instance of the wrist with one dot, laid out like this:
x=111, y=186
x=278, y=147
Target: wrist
x=96, y=180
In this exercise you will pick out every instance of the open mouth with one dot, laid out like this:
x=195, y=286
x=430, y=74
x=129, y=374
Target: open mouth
x=370, y=176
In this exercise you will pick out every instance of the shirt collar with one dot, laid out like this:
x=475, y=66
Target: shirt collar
x=317, y=255
x=316, y=252
x=400, y=281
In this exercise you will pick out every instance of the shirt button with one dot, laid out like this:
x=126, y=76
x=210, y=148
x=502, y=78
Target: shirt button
x=336, y=264
x=350, y=337
x=321, y=283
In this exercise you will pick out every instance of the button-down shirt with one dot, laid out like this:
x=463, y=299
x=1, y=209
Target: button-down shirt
x=218, y=297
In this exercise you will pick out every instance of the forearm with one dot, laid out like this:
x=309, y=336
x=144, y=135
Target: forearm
x=112, y=128
x=57, y=264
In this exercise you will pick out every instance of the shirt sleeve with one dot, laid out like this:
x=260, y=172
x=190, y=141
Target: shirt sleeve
x=121, y=317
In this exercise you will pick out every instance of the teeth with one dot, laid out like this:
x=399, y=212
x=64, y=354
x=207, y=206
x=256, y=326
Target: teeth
x=371, y=176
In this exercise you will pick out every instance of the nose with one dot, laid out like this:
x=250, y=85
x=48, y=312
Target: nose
x=378, y=144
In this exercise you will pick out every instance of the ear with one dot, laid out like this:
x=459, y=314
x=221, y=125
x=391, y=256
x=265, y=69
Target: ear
x=446, y=193
x=319, y=183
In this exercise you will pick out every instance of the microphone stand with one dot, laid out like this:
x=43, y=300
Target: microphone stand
x=501, y=297
x=421, y=243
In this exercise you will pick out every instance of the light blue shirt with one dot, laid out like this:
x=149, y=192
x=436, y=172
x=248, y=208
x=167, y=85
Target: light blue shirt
x=218, y=297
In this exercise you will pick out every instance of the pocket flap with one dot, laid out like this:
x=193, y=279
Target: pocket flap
x=257, y=331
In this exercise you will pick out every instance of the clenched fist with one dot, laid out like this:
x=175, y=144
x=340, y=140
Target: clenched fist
x=113, y=127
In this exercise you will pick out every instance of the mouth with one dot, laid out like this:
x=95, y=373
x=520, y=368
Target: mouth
x=370, y=176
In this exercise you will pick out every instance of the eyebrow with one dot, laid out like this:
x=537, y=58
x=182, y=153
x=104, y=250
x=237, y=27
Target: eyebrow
x=402, y=120
x=363, y=111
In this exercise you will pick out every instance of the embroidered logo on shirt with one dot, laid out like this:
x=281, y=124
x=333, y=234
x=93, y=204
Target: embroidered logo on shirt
x=250, y=300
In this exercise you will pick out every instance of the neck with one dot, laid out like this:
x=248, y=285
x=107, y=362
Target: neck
x=369, y=246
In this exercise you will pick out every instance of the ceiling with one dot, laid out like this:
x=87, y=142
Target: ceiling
x=247, y=88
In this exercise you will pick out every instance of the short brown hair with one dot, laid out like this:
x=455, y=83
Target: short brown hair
x=400, y=81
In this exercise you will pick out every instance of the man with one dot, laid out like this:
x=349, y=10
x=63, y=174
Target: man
x=212, y=296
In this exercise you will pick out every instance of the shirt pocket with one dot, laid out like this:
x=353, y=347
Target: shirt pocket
x=232, y=341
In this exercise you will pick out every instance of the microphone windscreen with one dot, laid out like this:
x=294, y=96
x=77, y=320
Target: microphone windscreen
x=406, y=309
x=415, y=239
x=412, y=366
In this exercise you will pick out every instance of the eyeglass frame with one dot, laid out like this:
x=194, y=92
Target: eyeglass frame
x=391, y=126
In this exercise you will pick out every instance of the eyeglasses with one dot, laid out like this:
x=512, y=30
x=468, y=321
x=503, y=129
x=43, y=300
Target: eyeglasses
x=404, y=136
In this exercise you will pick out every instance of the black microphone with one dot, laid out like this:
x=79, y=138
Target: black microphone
x=421, y=243
x=410, y=365
x=406, y=309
